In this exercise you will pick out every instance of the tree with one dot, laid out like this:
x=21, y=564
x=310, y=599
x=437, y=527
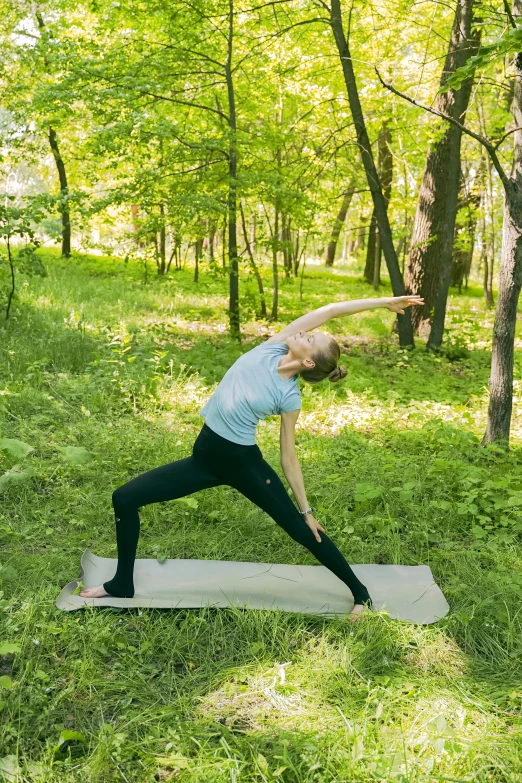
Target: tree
x=429, y=264
x=379, y=203
x=338, y=224
x=510, y=279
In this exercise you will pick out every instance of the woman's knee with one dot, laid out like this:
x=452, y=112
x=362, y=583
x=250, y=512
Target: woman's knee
x=121, y=498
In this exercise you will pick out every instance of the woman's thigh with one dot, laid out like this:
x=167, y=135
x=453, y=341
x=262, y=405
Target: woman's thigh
x=168, y=482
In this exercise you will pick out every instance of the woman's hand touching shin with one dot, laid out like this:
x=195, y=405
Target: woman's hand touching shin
x=314, y=525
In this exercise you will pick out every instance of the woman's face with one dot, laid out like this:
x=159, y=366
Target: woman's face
x=304, y=345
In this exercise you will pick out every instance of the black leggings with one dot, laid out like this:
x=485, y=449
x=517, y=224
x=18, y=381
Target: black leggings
x=216, y=461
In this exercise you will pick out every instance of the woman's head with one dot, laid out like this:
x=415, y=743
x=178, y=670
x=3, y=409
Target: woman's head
x=319, y=354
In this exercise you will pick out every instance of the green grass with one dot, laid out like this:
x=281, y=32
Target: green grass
x=392, y=461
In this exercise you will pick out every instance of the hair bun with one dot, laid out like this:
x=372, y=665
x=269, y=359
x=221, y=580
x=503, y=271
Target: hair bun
x=337, y=374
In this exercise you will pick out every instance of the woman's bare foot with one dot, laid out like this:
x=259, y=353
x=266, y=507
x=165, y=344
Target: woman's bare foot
x=93, y=592
x=357, y=611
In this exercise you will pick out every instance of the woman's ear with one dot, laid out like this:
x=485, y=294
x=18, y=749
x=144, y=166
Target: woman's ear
x=308, y=364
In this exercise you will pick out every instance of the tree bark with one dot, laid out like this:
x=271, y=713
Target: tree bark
x=510, y=279
x=339, y=222
x=437, y=201
x=381, y=214
x=64, y=191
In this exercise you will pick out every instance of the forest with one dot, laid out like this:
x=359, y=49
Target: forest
x=180, y=181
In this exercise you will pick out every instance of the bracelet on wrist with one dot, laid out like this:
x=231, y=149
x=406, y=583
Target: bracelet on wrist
x=307, y=511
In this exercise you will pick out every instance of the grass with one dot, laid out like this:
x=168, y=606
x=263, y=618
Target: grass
x=94, y=359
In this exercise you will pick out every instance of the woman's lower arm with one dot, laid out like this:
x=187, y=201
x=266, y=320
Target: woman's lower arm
x=294, y=476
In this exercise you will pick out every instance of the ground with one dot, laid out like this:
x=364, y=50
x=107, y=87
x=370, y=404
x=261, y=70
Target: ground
x=103, y=377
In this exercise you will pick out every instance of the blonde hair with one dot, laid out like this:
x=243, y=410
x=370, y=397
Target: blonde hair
x=326, y=365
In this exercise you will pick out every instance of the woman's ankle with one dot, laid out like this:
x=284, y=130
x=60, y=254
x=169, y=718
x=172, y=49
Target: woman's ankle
x=117, y=590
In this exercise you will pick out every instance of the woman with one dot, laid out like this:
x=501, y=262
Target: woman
x=260, y=383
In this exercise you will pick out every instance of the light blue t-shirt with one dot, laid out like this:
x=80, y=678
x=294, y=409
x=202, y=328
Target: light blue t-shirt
x=251, y=390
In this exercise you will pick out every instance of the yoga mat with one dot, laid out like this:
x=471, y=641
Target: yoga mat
x=405, y=592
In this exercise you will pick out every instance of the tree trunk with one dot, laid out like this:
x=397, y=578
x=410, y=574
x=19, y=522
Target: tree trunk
x=339, y=222
x=253, y=263
x=62, y=176
x=162, y=243
x=435, y=206
x=381, y=214
x=385, y=162
x=64, y=191
x=275, y=275
x=370, y=250
x=510, y=278
x=233, y=260
x=377, y=263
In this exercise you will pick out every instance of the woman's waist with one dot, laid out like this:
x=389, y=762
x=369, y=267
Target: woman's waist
x=209, y=441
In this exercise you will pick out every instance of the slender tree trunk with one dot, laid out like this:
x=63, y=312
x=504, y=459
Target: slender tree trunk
x=510, y=279
x=339, y=222
x=224, y=242
x=162, y=243
x=437, y=203
x=233, y=259
x=370, y=250
x=64, y=192
x=381, y=214
x=490, y=212
x=60, y=166
x=372, y=272
x=253, y=263
x=12, y=274
x=275, y=275
x=377, y=266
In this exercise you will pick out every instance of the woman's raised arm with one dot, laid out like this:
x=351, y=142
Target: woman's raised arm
x=316, y=318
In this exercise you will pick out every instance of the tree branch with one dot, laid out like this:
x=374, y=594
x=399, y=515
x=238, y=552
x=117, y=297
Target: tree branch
x=485, y=142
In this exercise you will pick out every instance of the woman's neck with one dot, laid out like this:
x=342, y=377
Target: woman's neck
x=288, y=366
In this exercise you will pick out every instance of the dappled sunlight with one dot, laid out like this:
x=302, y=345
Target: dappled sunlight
x=364, y=415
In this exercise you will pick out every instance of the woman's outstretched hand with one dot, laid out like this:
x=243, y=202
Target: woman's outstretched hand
x=397, y=304
x=314, y=525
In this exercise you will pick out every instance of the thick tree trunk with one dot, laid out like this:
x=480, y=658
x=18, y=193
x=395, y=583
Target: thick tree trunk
x=339, y=222
x=64, y=191
x=510, y=279
x=437, y=202
x=233, y=260
x=381, y=214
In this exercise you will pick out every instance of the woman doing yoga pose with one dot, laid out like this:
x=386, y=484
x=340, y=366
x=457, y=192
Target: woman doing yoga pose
x=260, y=383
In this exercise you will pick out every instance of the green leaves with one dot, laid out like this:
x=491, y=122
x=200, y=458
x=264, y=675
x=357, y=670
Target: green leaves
x=16, y=476
x=77, y=455
x=9, y=648
x=511, y=41
x=17, y=448
x=365, y=492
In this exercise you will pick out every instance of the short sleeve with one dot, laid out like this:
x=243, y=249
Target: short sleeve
x=292, y=402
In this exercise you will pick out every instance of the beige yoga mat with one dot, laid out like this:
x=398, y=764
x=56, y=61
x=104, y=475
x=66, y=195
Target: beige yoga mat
x=405, y=592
